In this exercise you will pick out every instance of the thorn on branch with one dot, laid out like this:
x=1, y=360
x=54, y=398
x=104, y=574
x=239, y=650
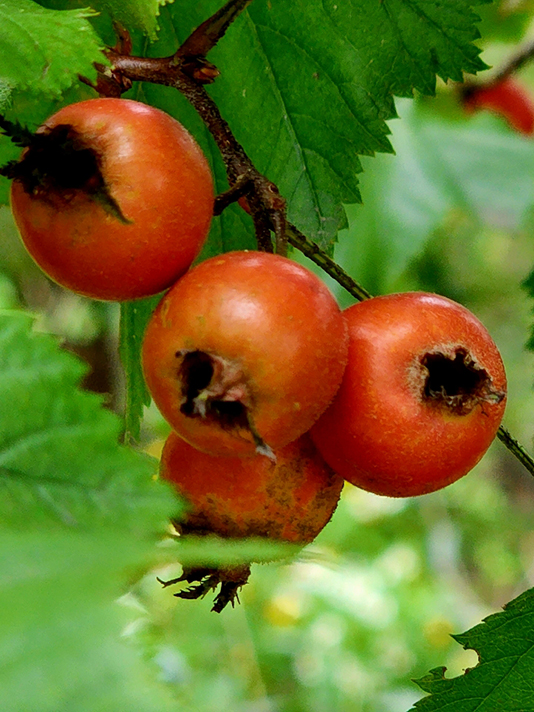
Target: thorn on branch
x=206, y=35
x=110, y=83
x=236, y=191
x=124, y=43
x=199, y=69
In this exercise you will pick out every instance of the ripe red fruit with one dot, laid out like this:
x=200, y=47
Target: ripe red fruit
x=289, y=500
x=507, y=98
x=246, y=350
x=422, y=396
x=113, y=199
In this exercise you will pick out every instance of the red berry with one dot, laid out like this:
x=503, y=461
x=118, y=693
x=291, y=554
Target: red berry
x=114, y=200
x=422, y=396
x=245, y=351
x=507, y=98
x=290, y=500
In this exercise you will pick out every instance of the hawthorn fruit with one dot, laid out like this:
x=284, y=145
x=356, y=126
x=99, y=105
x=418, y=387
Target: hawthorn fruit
x=421, y=400
x=244, y=353
x=290, y=500
x=113, y=199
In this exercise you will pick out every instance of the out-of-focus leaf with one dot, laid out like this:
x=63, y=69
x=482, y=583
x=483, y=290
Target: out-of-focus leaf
x=214, y=551
x=504, y=21
x=61, y=643
x=478, y=166
x=79, y=517
x=59, y=457
x=45, y=50
x=503, y=679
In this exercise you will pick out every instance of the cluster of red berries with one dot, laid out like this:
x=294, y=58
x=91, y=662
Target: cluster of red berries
x=274, y=395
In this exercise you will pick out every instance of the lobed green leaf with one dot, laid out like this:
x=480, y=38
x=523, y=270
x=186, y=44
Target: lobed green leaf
x=503, y=679
x=45, y=50
x=79, y=517
x=308, y=87
x=60, y=463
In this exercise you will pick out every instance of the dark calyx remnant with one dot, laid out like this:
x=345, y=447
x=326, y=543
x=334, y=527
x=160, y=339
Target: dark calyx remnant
x=203, y=396
x=231, y=581
x=57, y=164
x=215, y=389
x=457, y=382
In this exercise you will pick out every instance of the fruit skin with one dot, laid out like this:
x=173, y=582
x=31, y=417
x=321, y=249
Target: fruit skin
x=280, y=341
x=160, y=180
x=507, y=98
x=290, y=500
x=382, y=433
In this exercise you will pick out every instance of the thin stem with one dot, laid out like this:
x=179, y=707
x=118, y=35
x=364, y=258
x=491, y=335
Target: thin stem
x=516, y=449
x=314, y=252
x=524, y=55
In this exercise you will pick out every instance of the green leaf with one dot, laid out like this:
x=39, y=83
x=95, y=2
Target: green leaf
x=134, y=318
x=504, y=678
x=214, y=551
x=503, y=22
x=59, y=458
x=45, y=50
x=62, y=644
x=133, y=14
x=307, y=87
x=79, y=519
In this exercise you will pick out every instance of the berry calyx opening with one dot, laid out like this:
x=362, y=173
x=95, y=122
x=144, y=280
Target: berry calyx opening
x=216, y=389
x=57, y=164
x=456, y=381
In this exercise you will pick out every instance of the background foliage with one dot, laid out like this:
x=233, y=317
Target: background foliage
x=308, y=89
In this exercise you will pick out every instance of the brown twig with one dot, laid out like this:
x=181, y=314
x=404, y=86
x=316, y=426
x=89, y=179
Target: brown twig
x=267, y=207
x=524, y=55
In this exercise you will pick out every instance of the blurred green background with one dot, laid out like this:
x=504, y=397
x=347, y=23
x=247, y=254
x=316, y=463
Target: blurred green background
x=371, y=604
